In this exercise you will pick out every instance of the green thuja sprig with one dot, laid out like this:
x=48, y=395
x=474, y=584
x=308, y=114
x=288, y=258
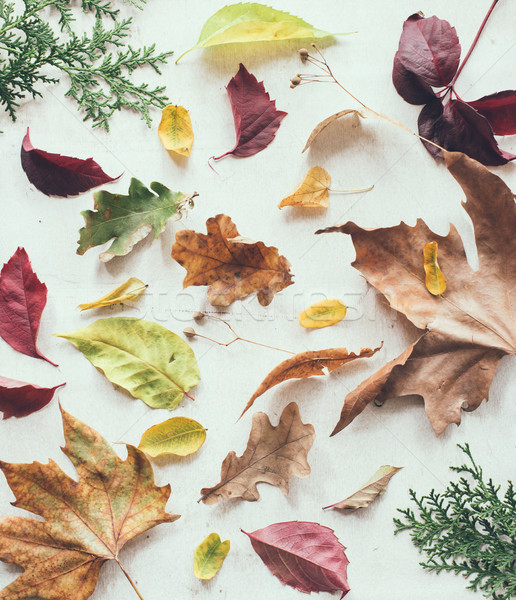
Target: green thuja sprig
x=469, y=529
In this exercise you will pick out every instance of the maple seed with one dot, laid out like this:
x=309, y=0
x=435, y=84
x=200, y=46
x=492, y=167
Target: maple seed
x=189, y=332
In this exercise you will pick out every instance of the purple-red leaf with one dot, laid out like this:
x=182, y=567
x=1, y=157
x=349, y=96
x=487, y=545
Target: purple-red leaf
x=304, y=555
x=19, y=399
x=409, y=86
x=22, y=300
x=500, y=110
x=255, y=114
x=57, y=175
x=458, y=127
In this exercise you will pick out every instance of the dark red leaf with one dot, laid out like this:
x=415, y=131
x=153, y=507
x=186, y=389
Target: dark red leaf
x=306, y=556
x=255, y=114
x=500, y=110
x=409, y=86
x=19, y=399
x=458, y=127
x=429, y=48
x=57, y=175
x=22, y=300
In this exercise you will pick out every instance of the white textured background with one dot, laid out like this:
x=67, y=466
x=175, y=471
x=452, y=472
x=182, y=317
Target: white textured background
x=409, y=184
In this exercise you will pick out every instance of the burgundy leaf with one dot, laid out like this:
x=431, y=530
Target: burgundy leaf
x=458, y=127
x=57, y=175
x=429, y=48
x=500, y=110
x=22, y=300
x=409, y=86
x=19, y=399
x=255, y=115
x=306, y=556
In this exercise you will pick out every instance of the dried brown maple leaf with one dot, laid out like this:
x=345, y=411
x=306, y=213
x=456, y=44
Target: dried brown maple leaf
x=86, y=522
x=273, y=455
x=233, y=267
x=470, y=327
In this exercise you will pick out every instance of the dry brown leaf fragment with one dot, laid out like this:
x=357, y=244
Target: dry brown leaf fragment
x=232, y=269
x=354, y=114
x=273, y=455
x=312, y=192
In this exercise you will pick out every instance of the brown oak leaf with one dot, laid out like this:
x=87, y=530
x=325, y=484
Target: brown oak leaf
x=273, y=455
x=470, y=327
x=232, y=266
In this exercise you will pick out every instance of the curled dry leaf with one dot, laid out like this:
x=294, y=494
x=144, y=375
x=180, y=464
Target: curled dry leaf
x=313, y=192
x=130, y=290
x=19, y=399
x=470, y=328
x=353, y=114
x=373, y=488
x=322, y=314
x=231, y=268
x=175, y=130
x=209, y=556
x=179, y=435
x=307, y=364
x=273, y=455
x=434, y=279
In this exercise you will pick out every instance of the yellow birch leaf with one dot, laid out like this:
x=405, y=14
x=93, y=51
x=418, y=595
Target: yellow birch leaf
x=313, y=192
x=322, y=314
x=131, y=289
x=434, y=279
x=175, y=130
x=209, y=556
x=179, y=435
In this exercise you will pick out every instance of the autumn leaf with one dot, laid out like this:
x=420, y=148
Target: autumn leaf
x=322, y=314
x=354, y=118
x=304, y=555
x=22, y=300
x=144, y=358
x=470, y=327
x=209, y=556
x=57, y=175
x=19, y=399
x=255, y=115
x=273, y=455
x=179, y=435
x=307, y=364
x=129, y=219
x=375, y=486
x=130, y=290
x=313, y=192
x=233, y=269
x=434, y=279
x=175, y=130
x=85, y=522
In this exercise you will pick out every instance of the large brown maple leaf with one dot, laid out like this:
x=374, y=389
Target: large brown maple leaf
x=86, y=522
x=470, y=327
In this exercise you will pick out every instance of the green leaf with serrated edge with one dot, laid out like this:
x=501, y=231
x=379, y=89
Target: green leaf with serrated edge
x=252, y=22
x=144, y=358
x=179, y=435
x=209, y=556
x=128, y=219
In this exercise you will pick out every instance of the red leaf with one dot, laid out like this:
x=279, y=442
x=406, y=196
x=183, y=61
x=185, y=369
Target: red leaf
x=57, y=175
x=22, y=300
x=458, y=127
x=306, y=556
x=500, y=110
x=408, y=85
x=430, y=49
x=19, y=399
x=255, y=114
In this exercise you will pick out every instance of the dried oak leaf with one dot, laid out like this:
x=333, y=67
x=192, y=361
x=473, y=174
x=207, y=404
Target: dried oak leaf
x=273, y=455
x=233, y=268
x=470, y=327
x=86, y=522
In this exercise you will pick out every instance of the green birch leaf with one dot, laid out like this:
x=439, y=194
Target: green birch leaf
x=252, y=22
x=128, y=219
x=209, y=556
x=144, y=358
x=179, y=435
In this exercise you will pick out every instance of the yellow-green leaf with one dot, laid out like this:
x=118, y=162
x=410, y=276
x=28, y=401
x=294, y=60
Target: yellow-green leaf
x=209, y=556
x=434, y=279
x=179, y=435
x=175, y=130
x=313, y=192
x=322, y=314
x=131, y=289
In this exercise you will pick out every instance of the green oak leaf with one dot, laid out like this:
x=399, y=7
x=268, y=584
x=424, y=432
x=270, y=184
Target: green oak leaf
x=209, y=556
x=128, y=219
x=144, y=358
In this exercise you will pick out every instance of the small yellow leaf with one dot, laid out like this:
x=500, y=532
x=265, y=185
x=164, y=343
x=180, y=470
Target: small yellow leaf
x=434, y=279
x=175, y=130
x=209, y=556
x=131, y=289
x=179, y=435
x=322, y=314
x=313, y=192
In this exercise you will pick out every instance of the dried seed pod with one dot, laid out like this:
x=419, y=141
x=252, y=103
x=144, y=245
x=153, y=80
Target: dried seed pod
x=189, y=332
x=198, y=316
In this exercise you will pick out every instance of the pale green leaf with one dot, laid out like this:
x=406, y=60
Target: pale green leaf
x=209, y=556
x=179, y=435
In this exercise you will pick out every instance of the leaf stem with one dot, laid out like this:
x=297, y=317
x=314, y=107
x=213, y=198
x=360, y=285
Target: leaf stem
x=351, y=191
x=129, y=579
